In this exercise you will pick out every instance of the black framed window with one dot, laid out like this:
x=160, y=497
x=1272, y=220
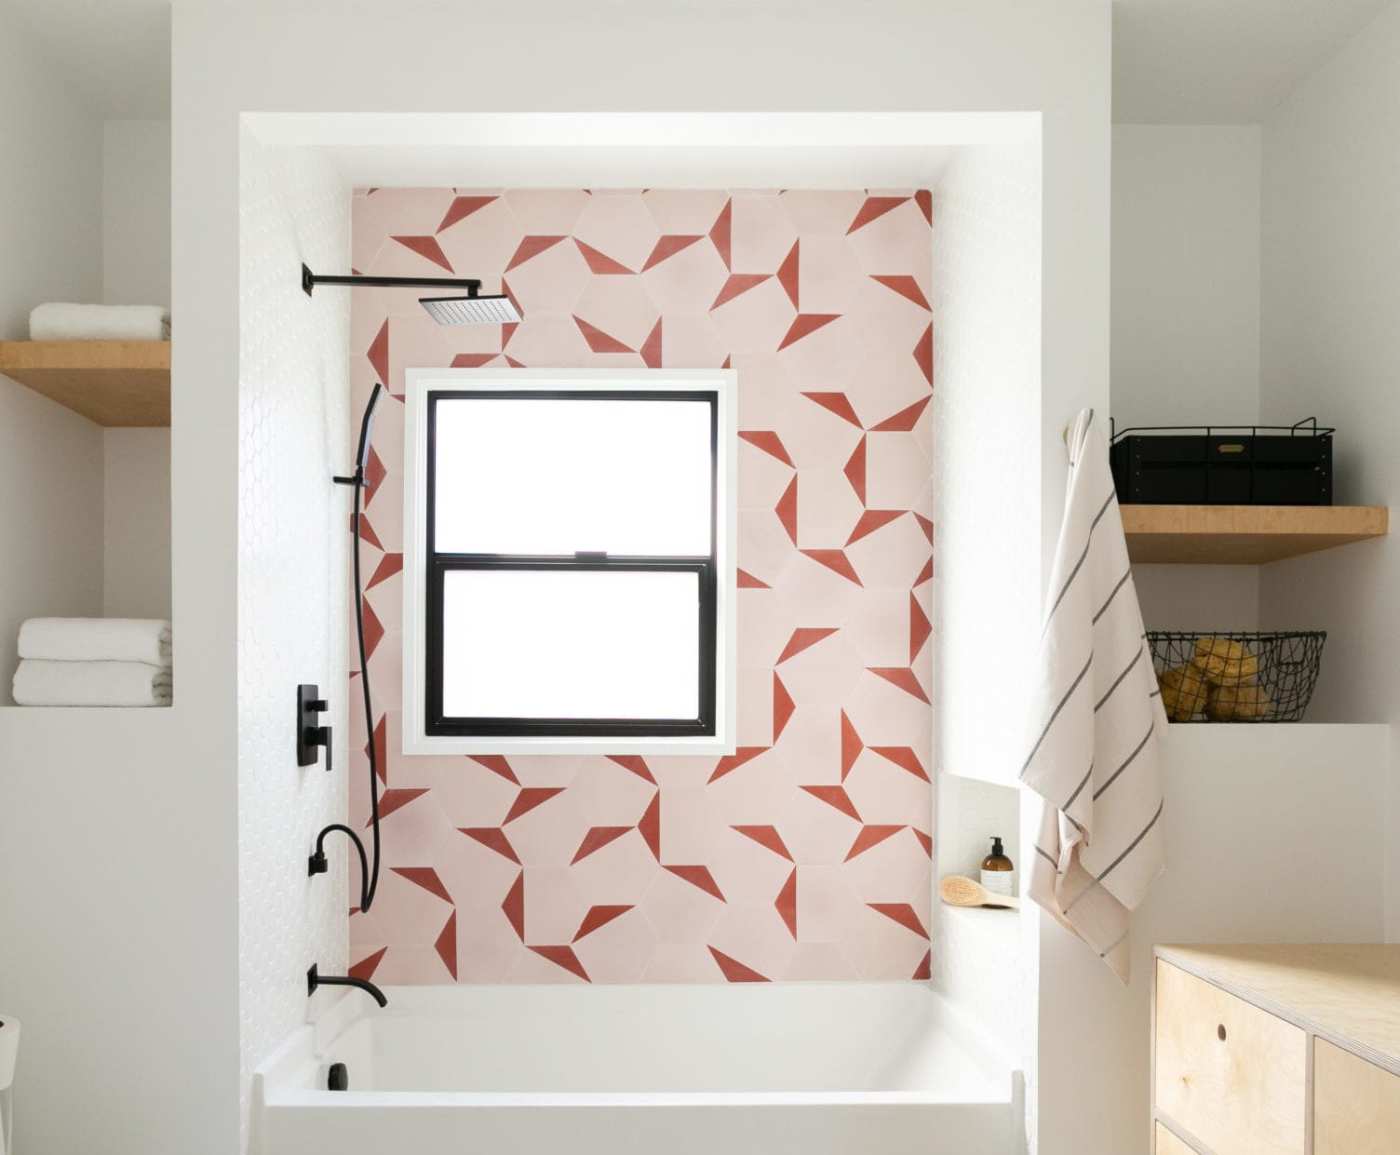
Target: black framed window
x=571, y=540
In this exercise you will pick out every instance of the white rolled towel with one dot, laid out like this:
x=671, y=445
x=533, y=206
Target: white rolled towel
x=60, y=321
x=44, y=683
x=96, y=640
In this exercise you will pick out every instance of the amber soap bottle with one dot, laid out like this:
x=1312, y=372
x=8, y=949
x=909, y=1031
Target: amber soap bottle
x=998, y=872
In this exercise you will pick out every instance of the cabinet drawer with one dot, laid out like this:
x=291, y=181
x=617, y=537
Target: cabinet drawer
x=1232, y=1075
x=1356, y=1105
x=1169, y=1144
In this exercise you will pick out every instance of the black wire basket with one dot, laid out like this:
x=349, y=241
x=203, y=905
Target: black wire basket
x=1236, y=677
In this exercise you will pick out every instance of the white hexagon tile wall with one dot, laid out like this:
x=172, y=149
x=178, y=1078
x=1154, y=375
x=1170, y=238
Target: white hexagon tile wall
x=806, y=855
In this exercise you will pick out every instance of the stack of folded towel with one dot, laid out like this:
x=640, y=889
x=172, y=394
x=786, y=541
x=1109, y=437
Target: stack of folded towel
x=59, y=321
x=93, y=662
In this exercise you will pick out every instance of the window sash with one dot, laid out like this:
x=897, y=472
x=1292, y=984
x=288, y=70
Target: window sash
x=440, y=564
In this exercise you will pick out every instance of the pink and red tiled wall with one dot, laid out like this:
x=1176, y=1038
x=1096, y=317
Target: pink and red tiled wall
x=806, y=855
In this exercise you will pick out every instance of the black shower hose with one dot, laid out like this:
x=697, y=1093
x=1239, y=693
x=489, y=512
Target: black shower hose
x=369, y=864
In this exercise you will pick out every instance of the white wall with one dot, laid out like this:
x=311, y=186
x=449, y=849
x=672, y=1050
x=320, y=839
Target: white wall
x=136, y=212
x=136, y=271
x=50, y=184
x=294, y=391
x=1185, y=274
x=136, y=523
x=1332, y=345
x=987, y=413
x=50, y=236
x=1186, y=221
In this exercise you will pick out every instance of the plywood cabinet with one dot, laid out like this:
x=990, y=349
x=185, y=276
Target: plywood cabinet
x=1231, y=1074
x=1276, y=1050
x=1356, y=1104
x=1168, y=1144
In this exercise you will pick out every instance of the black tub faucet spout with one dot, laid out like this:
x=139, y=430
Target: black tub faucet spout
x=314, y=980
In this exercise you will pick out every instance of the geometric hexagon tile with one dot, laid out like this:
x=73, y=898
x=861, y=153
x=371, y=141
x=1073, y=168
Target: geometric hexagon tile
x=807, y=853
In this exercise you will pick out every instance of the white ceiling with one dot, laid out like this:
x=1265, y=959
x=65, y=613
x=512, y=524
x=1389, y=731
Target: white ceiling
x=1221, y=61
x=1175, y=61
x=117, y=51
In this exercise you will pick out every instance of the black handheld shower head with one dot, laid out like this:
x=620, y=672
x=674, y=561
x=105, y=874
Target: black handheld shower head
x=366, y=427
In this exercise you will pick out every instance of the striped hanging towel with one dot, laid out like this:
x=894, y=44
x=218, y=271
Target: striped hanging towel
x=1092, y=758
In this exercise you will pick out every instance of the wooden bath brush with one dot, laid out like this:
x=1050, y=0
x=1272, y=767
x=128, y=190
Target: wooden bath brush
x=957, y=890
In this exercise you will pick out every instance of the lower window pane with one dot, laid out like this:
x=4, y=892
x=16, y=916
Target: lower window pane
x=570, y=644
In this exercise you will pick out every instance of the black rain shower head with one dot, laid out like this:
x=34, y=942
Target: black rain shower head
x=471, y=309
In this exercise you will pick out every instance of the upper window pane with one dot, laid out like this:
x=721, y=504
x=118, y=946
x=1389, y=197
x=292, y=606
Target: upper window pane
x=550, y=475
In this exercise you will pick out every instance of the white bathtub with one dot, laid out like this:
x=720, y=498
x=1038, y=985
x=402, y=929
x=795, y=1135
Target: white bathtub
x=815, y=1069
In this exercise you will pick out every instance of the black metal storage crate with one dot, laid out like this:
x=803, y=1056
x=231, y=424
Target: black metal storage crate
x=1223, y=464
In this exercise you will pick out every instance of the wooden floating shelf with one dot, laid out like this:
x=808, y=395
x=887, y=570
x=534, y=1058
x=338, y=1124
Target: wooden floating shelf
x=115, y=383
x=1245, y=534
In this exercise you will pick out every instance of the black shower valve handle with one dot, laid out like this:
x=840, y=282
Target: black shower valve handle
x=311, y=735
x=321, y=736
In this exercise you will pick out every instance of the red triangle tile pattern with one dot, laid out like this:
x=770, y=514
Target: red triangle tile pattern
x=838, y=403
x=428, y=248
x=461, y=208
x=805, y=324
x=786, y=903
x=497, y=765
x=426, y=877
x=851, y=745
x=871, y=836
x=769, y=442
x=733, y=761
x=365, y=968
x=873, y=209
x=528, y=798
x=668, y=247
x=531, y=247
x=651, y=348
x=734, y=971
x=721, y=233
x=493, y=838
x=634, y=763
x=600, y=263
x=378, y=354
x=905, y=286
x=446, y=945
x=594, y=869
x=597, y=838
x=699, y=876
x=393, y=799
x=803, y=638
x=389, y=565
x=599, y=916
x=902, y=913
x=563, y=956
x=737, y=284
x=767, y=836
x=599, y=341
x=381, y=748
x=835, y=796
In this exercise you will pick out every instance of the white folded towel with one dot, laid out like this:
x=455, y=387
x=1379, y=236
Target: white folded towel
x=44, y=683
x=96, y=640
x=59, y=321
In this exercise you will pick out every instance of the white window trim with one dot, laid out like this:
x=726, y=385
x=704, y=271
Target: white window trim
x=420, y=384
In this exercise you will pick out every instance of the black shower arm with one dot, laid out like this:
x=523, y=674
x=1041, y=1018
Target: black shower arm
x=310, y=280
